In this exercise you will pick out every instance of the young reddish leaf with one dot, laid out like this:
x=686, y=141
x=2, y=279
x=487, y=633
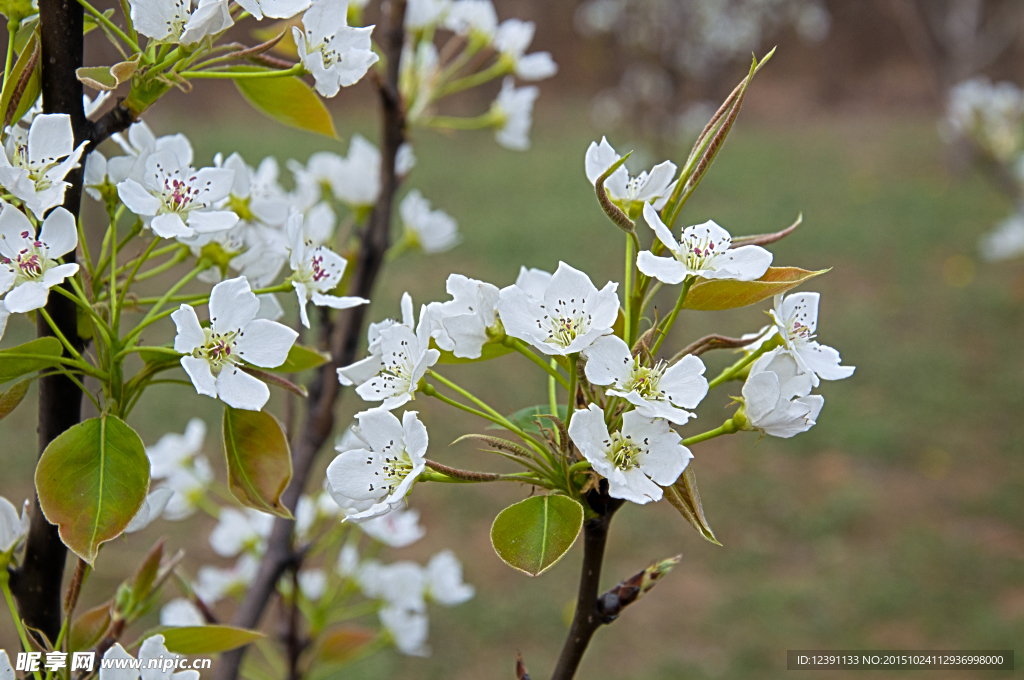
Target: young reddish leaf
x=91, y=482
x=145, y=575
x=685, y=498
x=88, y=628
x=207, y=639
x=259, y=460
x=339, y=645
x=287, y=100
x=708, y=295
x=532, y=535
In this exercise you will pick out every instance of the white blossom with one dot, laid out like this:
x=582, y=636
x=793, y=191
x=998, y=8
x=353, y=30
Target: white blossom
x=659, y=391
x=387, y=465
x=348, y=560
x=6, y=672
x=777, y=398
x=988, y=114
x=796, y=319
x=213, y=356
x=317, y=270
x=175, y=21
x=28, y=263
x=275, y=9
x=175, y=451
x=312, y=583
x=13, y=527
x=400, y=584
x=34, y=163
x=570, y=316
x=533, y=281
x=434, y=231
x=176, y=200
x=152, y=654
x=181, y=612
x=239, y=530
x=365, y=369
x=337, y=54
x=444, y=583
x=1005, y=242
x=513, y=114
x=704, y=250
x=460, y=325
x=638, y=460
x=422, y=13
x=511, y=40
x=397, y=529
x=408, y=629
x=214, y=583
x=189, y=485
x=152, y=507
x=625, y=191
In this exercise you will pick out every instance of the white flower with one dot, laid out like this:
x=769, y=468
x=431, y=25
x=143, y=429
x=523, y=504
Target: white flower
x=317, y=271
x=91, y=106
x=238, y=531
x=460, y=325
x=422, y=13
x=1005, y=242
x=337, y=54
x=659, y=391
x=989, y=114
x=181, y=612
x=399, y=358
x=13, y=527
x=400, y=584
x=512, y=39
x=418, y=77
x=623, y=190
x=214, y=355
x=444, y=583
x=637, y=461
x=513, y=114
x=398, y=529
x=256, y=194
x=435, y=231
x=312, y=583
x=141, y=142
x=476, y=18
x=570, y=316
x=152, y=507
x=408, y=629
x=796, y=319
x=189, y=485
x=175, y=199
x=28, y=264
x=175, y=451
x=214, y=583
x=152, y=654
x=31, y=167
x=385, y=468
x=777, y=396
x=348, y=560
x=533, y=281
x=174, y=21
x=6, y=672
x=275, y=9
x=703, y=250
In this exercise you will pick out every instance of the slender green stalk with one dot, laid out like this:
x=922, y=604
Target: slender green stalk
x=111, y=26
x=627, y=332
x=60, y=336
x=730, y=373
x=154, y=314
x=99, y=322
x=12, y=30
x=571, y=405
x=728, y=427
x=495, y=70
x=672, y=317
x=518, y=346
x=67, y=374
x=296, y=70
x=127, y=11
x=139, y=261
x=5, y=586
x=480, y=122
x=159, y=252
x=552, y=394
x=578, y=467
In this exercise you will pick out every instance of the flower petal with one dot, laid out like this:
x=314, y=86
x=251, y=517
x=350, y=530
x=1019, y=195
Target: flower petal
x=232, y=305
x=26, y=297
x=238, y=389
x=202, y=377
x=265, y=343
x=59, y=232
x=666, y=269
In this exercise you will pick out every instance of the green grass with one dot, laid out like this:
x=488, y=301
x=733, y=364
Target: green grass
x=897, y=522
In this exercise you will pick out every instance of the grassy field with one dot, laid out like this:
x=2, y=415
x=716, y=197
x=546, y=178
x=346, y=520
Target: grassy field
x=896, y=523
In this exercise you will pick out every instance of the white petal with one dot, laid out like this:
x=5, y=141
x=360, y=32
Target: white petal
x=337, y=302
x=232, y=305
x=666, y=269
x=211, y=221
x=59, y=232
x=821, y=359
x=190, y=333
x=50, y=138
x=137, y=199
x=746, y=263
x=170, y=225
x=658, y=182
x=684, y=382
x=238, y=389
x=26, y=297
x=202, y=377
x=265, y=343
x=663, y=233
x=609, y=361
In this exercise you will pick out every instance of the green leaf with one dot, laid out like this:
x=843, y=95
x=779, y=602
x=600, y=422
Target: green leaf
x=207, y=639
x=145, y=576
x=302, y=358
x=288, y=100
x=97, y=77
x=32, y=356
x=526, y=418
x=342, y=644
x=21, y=101
x=490, y=350
x=10, y=399
x=532, y=535
x=259, y=460
x=717, y=294
x=88, y=628
x=91, y=482
x=685, y=498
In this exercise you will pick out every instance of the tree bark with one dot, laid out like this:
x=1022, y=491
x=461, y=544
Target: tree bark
x=343, y=341
x=588, y=618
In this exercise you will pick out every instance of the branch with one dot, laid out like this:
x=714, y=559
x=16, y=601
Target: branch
x=342, y=338
x=588, y=617
x=708, y=343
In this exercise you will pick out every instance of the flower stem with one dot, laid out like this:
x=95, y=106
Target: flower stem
x=552, y=393
x=728, y=427
x=672, y=317
x=480, y=122
x=154, y=314
x=60, y=336
x=111, y=26
x=570, y=406
x=5, y=586
x=627, y=332
x=296, y=70
x=12, y=30
x=495, y=70
x=518, y=346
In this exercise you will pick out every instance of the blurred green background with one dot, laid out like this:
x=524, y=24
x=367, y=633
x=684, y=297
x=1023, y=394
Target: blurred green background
x=896, y=523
